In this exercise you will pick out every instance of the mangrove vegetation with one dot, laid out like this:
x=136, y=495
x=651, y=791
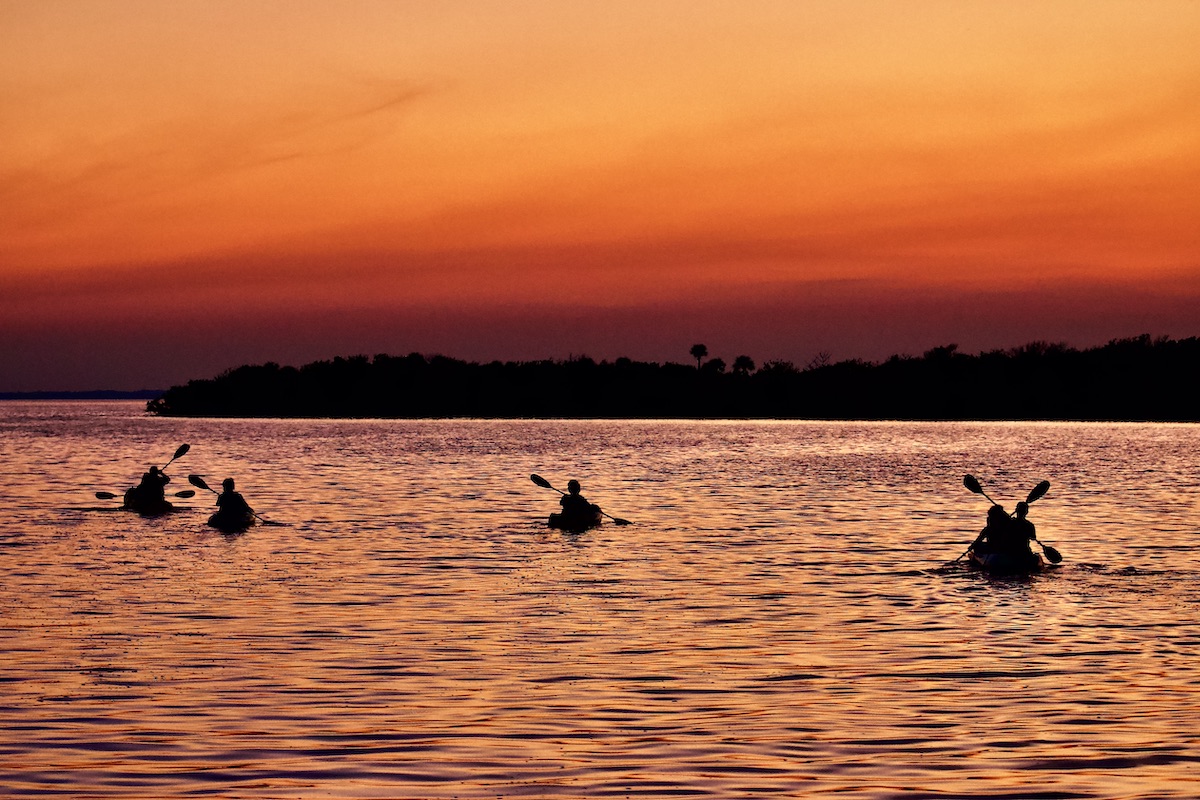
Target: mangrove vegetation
x=1139, y=378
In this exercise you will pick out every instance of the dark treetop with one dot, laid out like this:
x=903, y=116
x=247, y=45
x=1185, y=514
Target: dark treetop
x=1128, y=379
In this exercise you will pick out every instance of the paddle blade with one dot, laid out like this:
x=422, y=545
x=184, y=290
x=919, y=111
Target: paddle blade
x=1053, y=555
x=972, y=484
x=186, y=493
x=105, y=496
x=196, y=480
x=540, y=481
x=619, y=521
x=182, y=451
x=1038, y=491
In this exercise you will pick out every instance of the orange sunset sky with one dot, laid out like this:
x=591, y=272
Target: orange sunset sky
x=188, y=186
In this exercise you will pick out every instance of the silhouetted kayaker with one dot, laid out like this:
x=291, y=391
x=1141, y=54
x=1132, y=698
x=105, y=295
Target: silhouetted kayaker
x=231, y=503
x=1004, y=534
x=152, y=489
x=1022, y=526
x=1003, y=547
x=994, y=536
x=574, y=504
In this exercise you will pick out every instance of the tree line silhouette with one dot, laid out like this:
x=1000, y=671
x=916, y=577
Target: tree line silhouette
x=1140, y=378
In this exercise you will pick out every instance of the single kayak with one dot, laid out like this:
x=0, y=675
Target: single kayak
x=147, y=507
x=576, y=522
x=1017, y=563
x=235, y=522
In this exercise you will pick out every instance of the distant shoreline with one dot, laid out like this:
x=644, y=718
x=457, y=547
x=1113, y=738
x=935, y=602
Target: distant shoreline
x=93, y=394
x=1141, y=379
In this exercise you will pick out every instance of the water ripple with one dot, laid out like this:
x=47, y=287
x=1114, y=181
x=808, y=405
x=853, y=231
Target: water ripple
x=781, y=620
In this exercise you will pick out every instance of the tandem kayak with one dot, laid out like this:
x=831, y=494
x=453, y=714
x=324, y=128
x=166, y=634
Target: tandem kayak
x=1018, y=563
x=231, y=522
x=576, y=522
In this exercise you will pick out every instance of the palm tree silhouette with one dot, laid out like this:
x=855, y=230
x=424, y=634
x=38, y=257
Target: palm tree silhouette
x=743, y=365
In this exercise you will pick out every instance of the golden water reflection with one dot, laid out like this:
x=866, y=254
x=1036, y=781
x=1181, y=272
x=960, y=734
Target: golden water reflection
x=779, y=620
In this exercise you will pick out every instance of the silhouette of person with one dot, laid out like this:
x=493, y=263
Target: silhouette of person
x=573, y=503
x=231, y=503
x=152, y=489
x=997, y=534
x=1022, y=526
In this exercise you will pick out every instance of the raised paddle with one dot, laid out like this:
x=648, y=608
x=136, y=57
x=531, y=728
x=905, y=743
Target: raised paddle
x=196, y=480
x=1039, y=491
x=180, y=453
x=972, y=483
x=545, y=484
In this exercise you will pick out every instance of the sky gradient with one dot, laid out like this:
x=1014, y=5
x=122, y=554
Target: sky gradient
x=190, y=186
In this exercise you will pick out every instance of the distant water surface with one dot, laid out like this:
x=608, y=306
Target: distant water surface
x=779, y=621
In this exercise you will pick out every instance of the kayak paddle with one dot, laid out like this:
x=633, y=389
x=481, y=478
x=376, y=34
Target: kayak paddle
x=972, y=483
x=1052, y=555
x=196, y=480
x=180, y=453
x=184, y=493
x=1039, y=491
x=545, y=484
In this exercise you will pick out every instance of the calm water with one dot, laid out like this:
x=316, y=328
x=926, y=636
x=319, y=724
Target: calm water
x=778, y=622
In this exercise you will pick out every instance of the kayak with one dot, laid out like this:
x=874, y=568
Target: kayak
x=576, y=522
x=1017, y=563
x=152, y=507
x=231, y=522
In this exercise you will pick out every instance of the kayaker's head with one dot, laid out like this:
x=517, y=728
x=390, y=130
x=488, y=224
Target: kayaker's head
x=227, y=484
x=1022, y=510
x=153, y=470
x=997, y=514
x=573, y=486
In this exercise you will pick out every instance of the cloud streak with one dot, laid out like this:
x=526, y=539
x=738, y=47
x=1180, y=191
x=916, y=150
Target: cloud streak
x=201, y=161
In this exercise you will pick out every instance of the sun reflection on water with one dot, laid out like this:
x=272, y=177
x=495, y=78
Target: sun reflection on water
x=780, y=619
